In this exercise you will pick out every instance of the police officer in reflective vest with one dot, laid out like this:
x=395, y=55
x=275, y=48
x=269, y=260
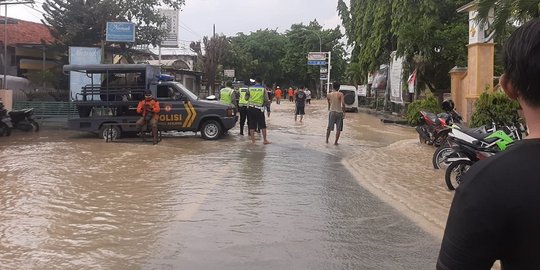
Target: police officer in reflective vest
x=242, y=108
x=257, y=99
x=225, y=94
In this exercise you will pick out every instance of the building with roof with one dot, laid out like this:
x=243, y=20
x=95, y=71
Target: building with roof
x=28, y=47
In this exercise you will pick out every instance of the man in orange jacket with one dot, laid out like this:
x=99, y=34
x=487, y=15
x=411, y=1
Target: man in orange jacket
x=278, y=95
x=291, y=94
x=149, y=109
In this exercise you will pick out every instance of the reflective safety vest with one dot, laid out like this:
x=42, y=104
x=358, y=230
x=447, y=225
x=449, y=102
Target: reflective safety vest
x=243, y=101
x=225, y=95
x=256, y=96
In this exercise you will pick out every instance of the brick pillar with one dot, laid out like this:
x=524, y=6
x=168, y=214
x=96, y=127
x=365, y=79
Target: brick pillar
x=458, y=78
x=7, y=98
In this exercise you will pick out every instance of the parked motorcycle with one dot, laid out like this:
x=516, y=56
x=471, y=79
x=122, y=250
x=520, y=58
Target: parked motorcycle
x=5, y=121
x=434, y=128
x=23, y=120
x=446, y=150
x=469, y=154
x=472, y=147
x=514, y=130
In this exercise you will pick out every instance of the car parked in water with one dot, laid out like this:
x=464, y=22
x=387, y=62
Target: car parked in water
x=350, y=97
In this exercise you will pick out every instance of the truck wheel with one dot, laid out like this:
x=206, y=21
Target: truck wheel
x=211, y=130
x=110, y=133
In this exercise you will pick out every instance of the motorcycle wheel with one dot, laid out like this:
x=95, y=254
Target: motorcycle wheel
x=455, y=173
x=5, y=130
x=420, y=130
x=440, y=156
x=35, y=125
x=440, y=140
x=422, y=141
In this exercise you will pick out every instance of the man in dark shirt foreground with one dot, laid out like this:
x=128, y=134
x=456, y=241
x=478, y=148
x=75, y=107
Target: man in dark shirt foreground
x=495, y=214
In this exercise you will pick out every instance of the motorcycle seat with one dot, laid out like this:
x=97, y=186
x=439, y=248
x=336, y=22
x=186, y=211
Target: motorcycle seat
x=21, y=111
x=17, y=112
x=468, y=130
x=482, y=137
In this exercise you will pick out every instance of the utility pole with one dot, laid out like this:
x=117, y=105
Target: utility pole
x=329, y=70
x=6, y=3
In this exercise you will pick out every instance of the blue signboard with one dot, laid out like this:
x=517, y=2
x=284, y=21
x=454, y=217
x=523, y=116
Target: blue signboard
x=316, y=62
x=120, y=32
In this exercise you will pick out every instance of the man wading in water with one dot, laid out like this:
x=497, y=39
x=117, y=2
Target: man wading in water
x=336, y=114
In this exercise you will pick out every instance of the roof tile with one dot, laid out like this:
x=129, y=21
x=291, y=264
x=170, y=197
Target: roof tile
x=25, y=32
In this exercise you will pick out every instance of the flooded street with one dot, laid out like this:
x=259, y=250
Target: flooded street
x=69, y=200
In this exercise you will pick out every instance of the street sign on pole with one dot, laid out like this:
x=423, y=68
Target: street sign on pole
x=228, y=73
x=324, y=70
x=324, y=77
x=317, y=56
x=316, y=62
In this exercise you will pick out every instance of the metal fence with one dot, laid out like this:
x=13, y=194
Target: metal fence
x=48, y=108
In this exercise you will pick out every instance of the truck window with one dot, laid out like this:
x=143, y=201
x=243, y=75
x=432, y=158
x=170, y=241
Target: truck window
x=167, y=92
x=162, y=91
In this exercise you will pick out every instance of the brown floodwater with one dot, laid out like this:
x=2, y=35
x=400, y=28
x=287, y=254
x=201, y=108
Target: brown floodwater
x=69, y=200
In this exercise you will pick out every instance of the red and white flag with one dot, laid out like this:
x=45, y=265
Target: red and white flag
x=412, y=82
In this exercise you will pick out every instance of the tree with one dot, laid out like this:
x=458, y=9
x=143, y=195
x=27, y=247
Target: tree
x=430, y=35
x=83, y=22
x=215, y=50
x=302, y=39
x=354, y=73
x=367, y=24
x=507, y=13
x=238, y=58
x=281, y=58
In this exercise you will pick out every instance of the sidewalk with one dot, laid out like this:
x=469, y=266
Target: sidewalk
x=385, y=116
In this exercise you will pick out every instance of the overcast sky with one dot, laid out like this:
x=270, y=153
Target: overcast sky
x=230, y=16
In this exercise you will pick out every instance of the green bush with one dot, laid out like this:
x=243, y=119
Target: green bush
x=429, y=104
x=503, y=109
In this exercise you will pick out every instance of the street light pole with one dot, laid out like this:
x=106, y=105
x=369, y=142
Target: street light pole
x=4, y=85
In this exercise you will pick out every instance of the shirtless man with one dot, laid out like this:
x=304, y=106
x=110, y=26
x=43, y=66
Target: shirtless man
x=336, y=106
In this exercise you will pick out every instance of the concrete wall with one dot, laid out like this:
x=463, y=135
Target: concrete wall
x=469, y=83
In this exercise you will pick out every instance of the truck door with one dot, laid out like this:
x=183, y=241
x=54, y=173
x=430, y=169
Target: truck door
x=173, y=110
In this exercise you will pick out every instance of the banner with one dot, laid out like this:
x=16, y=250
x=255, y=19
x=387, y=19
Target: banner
x=171, y=27
x=83, y=56
x=396, y=78
x=362, y=90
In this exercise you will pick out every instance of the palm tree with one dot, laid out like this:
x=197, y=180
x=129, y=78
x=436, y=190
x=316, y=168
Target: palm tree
x=354, y=73
x=508, y=12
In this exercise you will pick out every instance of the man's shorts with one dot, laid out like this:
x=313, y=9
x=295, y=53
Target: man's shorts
x=300, y=110
x=335, y=118
x=141, y=122
x=255, y=118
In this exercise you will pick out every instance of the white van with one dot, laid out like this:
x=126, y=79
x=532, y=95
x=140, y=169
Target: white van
x=350, y=97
